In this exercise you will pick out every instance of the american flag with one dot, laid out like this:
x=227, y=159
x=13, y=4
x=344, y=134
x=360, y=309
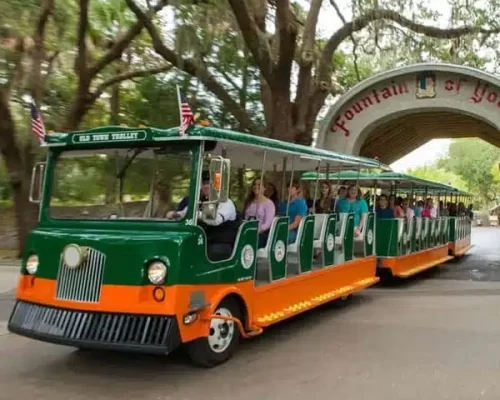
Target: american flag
x=37, y=126
x=186, y=114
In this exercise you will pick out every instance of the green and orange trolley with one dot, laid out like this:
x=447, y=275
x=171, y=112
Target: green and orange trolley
x=108, y=273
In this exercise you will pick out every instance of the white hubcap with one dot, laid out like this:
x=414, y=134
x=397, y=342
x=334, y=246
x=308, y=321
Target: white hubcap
x=221, y=331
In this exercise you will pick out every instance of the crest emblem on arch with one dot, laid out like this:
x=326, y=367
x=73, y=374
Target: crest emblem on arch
x=425, y=85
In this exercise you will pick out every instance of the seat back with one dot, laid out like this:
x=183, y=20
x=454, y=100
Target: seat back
x=319, y=225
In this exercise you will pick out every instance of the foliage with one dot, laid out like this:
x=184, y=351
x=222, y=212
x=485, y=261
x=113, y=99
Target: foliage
x=435, y=174
x=473, y=160
x=470, y=165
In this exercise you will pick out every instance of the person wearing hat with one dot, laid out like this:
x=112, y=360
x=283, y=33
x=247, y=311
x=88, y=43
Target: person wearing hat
x=220, y=227
x=182, y=207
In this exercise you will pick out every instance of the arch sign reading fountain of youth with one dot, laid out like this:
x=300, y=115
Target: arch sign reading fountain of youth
x=421, y=91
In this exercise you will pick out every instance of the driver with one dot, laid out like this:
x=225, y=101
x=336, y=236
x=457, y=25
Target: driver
x=182, y=207
x=222, y=230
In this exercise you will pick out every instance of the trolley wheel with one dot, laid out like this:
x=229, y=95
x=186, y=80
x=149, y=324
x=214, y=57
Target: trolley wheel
x=222, y=341
x=343, y=301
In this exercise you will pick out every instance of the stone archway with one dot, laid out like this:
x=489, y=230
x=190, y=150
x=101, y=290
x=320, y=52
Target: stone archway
x=397, y=111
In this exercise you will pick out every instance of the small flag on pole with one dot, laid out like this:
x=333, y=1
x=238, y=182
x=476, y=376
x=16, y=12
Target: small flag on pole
x=186, y=114
x=37, y=126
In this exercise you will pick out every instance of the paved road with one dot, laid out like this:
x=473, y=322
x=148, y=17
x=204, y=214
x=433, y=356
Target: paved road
x=429, y=338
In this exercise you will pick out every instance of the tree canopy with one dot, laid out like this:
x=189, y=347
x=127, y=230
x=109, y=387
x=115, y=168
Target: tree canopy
x=267, y=67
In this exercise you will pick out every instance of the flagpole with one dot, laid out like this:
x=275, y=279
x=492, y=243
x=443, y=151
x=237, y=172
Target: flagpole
x=179, y=103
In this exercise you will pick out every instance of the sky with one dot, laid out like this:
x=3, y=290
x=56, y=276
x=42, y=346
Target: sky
x=424, y=155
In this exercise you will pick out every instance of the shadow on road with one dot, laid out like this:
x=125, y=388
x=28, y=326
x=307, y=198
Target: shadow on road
x=144, y=369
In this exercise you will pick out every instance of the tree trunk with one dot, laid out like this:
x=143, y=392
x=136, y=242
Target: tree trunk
x=26, y=213
x=281, y=116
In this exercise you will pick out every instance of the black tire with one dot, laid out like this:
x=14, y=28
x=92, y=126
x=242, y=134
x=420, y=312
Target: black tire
x=201, y=352
x=342, y=302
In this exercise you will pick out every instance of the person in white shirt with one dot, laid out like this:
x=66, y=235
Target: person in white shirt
x=433, y=209
x=409, y=213
x=221, y=225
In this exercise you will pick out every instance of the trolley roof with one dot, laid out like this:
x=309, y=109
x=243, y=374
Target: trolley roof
x=243, y=149
x=386, y=180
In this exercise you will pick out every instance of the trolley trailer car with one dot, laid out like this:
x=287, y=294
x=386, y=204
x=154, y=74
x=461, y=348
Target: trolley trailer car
x=126, y=270
x=407, y=246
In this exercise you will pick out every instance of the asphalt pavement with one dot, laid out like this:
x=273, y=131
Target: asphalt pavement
x=435, y=336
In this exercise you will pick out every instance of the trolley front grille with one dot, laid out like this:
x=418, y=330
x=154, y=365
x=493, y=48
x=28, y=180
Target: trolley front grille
x=146, y=333
x=83, y=283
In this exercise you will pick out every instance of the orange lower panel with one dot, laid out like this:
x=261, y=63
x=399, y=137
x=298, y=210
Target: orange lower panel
x=414, y=263
x=138, y=300
x=283, y=299
x=460, y=247
x=266, y=304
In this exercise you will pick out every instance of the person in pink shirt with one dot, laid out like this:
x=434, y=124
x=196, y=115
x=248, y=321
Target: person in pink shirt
x=258, y=206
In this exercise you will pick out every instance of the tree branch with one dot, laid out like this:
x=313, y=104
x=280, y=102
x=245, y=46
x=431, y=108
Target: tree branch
x=254, y=38
x=306, y=61
x=287, y=35
x=195, y=69
x=377, y=14
x=81, y=57
x=354, y=42
x=36, y=81
x=230, y=80
x=127, y=76
x=115, y=52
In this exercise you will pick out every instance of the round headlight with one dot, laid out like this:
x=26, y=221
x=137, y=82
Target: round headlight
x=32, y=264
x=72, y=256
x=157, y=272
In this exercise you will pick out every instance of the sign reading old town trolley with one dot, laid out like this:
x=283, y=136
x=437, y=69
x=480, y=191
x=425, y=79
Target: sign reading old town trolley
x=109, y=137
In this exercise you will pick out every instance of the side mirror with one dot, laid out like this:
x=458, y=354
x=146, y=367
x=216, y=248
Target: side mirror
x=37, y=181
x=220, y=169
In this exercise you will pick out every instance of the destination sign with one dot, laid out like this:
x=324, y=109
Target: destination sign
x=82, y=138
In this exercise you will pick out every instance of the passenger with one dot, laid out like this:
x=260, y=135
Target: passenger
x=427, y=210
x=341, y=194
x=419, y=207
x=325, y=204
x=398, y=208
x=272, y=193
x=470, y=213
x=452, y=212
x=222, y=231
x=409, y=213
x=297, y=209
x=353, y=203
x=393, y=203
x=307, y=197
x=432, y=208
x=383, y=211
x=258, y=206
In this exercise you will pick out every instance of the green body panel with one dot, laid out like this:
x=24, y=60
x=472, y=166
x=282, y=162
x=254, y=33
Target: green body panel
x=331, y=227
x=432, y=233
x=369, y=234
x=278, y=267
x=445, y=232
x=349, y=238
x=402, y=240
x=452, y=224
x=128, y=251
x=413, y=233
x=424, y=234
x=306, y=245
x=387, y=237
